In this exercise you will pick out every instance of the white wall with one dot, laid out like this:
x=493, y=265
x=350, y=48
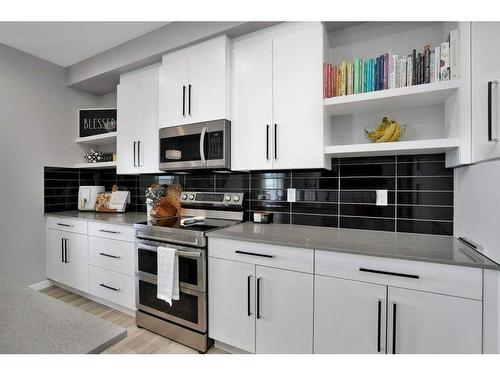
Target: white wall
x=38, y=123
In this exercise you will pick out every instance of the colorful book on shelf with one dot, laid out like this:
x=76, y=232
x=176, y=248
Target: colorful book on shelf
x=386, y=71
x=444, y=73
x=427, y=63
x=437, y=63
x=409, y=70
x=454, y=41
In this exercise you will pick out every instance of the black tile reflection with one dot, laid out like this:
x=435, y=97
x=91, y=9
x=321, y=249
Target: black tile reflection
x=369, y=210
x=427, y=227
x=426, y=198
x=315, y=183
x=367, y=183
x=417, y=158
x=229, y=182
x=270, y=183
x=368, y=160
x=268, y=195
x=316, y=172
x=424, y=169
x=367, y=223
x=196, y=183
x=317, y=220
x=425, y=212
x=352, y=170
x=312, y=195
x=425, y=183
x=317, y=208
x=367, y=196
x=270, y=206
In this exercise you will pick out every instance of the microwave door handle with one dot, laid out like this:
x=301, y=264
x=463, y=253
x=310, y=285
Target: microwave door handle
x=202, y=145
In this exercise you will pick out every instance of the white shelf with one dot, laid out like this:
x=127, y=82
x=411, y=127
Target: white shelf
x=99, y=139
x=385, y=100
x=394, y=148
x=107, y=164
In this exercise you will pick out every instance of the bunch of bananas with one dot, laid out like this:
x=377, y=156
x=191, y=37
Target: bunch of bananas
x=387, y=131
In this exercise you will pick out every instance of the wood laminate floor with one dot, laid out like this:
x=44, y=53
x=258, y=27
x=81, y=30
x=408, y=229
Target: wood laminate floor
x=138, y=340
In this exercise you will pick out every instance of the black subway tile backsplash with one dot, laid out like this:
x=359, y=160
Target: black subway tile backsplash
x=420, y=192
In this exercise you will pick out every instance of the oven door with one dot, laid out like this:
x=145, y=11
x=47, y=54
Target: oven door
x=190, y=310
x=195, y=146
x=192, y=264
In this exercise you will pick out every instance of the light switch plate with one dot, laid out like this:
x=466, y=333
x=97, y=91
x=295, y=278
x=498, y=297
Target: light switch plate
x=381, y=198
x=290, y=195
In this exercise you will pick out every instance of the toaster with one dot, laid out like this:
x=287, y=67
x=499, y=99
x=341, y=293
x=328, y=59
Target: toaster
x=87, y=196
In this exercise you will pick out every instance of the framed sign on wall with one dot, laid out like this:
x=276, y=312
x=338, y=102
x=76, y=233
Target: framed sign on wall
x=95, y=121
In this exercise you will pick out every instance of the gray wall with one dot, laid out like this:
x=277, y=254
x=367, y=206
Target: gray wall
x=38, y=124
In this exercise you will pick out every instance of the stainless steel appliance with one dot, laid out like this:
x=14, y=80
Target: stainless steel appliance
x=186, y=320
x=204, y=145
x=87, y=196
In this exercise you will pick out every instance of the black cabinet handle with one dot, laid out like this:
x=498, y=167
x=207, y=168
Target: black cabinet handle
x=248, y=294
x=62, y=250
x=275, y=141
x=379, y=325
x=135, y=154
x=65, y=225
x=189, y=99
x=258, y=298
x=254, y=254
x=184, y=101
x=138, y=153
x=108, y=231
x=109, y=287
x=267, y=141
x=390, y=273
x=110, y=256
x=490, y=108
x=393, y=328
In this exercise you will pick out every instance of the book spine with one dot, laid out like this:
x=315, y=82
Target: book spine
x=432, y=66
x=344, y=78
x=437, y=63
x=403, y=71
x=373, y=75
x=454, y=54
x=349, y=78
x=427, y=63
x=409, y=70
x=419, y=70
x=386, y=71
x=414, y=68
x=365, y=75
x=398, y=73
x=332, y=80
x=392, y=74
x=356, y=76
x=445, y=62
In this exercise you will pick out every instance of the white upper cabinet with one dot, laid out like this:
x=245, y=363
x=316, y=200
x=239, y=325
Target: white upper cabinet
x=485, y=84
x=137, y=137
x=277, y=103
x=194, y=84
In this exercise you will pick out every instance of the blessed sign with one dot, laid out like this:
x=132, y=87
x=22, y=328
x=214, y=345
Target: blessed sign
x=94, y=121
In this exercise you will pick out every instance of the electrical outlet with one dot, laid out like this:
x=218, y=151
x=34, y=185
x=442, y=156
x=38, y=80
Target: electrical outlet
x=381, y=198
x=290, y=195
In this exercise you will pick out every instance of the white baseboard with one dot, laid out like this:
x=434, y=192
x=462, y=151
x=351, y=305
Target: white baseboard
x=229, y=348
x=42, y=284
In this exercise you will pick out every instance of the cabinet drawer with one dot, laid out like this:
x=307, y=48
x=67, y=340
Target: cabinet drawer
x=289, y=258
x=112, y=286
x=431, y=277
x=113, y=231
x=66, y=225
x=112, y=255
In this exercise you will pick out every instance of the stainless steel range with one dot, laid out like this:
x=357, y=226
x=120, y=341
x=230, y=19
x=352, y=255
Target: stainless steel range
x=186, y=320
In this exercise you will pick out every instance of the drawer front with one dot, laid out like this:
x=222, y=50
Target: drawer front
x=430, y=277
x=112, y=286
x=113, y=231
x=66, y=225
x=285, y=257
x=112, y=255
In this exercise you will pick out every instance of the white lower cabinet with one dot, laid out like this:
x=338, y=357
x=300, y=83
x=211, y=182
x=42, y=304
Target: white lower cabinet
x=420, y=322
x=349, y=316
x=112, y=286
x=67, y=258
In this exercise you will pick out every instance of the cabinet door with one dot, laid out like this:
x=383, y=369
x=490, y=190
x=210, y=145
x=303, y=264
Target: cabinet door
x=208, y=85
x=173, y=90
x=421, y=322
x=149, y=133
x=128, y=123
x=298, y=99
x=54, y=249
x=284, y=313
x=485, y=68
x=252, y=105
x=349, y=316
x=231, y=303
x=76, y=272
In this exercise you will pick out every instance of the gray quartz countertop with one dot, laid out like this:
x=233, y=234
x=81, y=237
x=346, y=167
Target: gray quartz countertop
x=418, y=247
x=127, y=218
x=34, y=323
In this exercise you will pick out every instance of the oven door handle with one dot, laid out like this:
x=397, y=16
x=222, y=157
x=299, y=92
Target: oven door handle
x=152, y=238
x=180, y=252
x=189, y=254
x=202, y=145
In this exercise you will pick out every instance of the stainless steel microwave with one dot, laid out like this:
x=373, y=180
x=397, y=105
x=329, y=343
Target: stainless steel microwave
x=204, y=145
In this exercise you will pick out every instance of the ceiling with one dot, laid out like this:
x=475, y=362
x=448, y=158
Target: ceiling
x=66, y=43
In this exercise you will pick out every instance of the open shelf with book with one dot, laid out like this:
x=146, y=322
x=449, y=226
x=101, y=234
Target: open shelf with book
x=434, y=108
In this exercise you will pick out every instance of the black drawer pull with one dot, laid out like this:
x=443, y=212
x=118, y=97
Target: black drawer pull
x=254, y=254
x=390, y=273
x=108, y=231
x=109, y=287
x=110, y=256
x=65, y=225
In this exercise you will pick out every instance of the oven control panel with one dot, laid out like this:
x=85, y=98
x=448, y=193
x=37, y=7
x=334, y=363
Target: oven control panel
x=233, y=199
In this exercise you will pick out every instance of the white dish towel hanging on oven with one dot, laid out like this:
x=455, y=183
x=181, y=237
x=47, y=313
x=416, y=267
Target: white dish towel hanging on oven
x=168, y=274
